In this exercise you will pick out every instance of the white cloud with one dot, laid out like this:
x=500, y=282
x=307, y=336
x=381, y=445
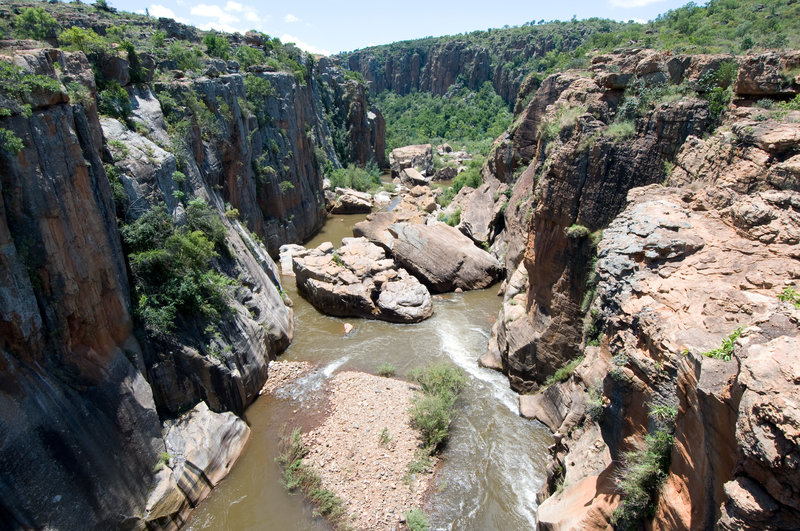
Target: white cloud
x=252, y=16
x=633, y=3
x=291, y=18
x=218, y=26
x=310, y=48
x=159, y=11
x=216, y=12
x=234, y=6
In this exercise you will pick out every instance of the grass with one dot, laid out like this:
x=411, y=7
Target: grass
x=298, y=476
x=432, y=409
x=564, y=117
x=384, y=438
x=791, y=295
x=386, y=370
x=563, y=373
x=725, y=351
x=416, y=520
x=640, y=479
x=452, y=219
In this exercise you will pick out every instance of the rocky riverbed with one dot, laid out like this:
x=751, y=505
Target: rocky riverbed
x=361, y=451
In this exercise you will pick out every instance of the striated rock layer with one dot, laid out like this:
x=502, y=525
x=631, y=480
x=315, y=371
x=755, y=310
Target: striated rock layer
x=85, y=390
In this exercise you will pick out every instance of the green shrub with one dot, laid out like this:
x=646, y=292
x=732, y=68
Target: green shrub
x=789, y=294
x=10, y=142
x=386, y=370
x=84, y=40
x=725, y=351
x=171, y=267
x=643, y=471
x=361, y=179
x=577, y=232
x=470, y=177
x=452, y=219
x=564, y=372
x=416, y=520
x=248, y=56
x=217, y=46
x=114, y=101
x=432, y=409
x=36, y=23
x=184, y=56
x=351, y=75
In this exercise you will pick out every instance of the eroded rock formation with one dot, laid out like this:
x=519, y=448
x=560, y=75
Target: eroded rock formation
x=358, y=280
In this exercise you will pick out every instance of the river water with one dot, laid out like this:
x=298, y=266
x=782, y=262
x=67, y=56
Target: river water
x=494, y=461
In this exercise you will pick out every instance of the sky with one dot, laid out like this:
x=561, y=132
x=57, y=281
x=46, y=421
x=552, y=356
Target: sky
x=336, y=26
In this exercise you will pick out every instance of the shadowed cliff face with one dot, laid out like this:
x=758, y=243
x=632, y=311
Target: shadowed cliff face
x=82, y=397
x=80, y=431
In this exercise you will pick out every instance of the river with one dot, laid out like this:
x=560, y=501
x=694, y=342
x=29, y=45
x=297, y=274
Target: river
x=494, y=461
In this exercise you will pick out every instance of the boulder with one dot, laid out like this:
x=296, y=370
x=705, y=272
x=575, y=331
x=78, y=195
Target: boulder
x=287, y=252
x=358, y=280
x=448, y=173
x=442, y=257
x=763, y=75
x=350, y=201
x=411, y=177
x=418, y=156
x=203, y=446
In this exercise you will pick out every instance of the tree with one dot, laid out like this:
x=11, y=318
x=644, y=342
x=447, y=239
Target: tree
x=36, y=23
x=217, y=46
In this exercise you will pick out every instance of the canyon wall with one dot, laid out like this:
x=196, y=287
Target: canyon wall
x=630, y=252
x=140, y=423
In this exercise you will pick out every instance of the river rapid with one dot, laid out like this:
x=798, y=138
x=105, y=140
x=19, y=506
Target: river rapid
x=493, y=464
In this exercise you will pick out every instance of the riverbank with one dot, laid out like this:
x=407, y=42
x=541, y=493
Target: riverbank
x=362, y=450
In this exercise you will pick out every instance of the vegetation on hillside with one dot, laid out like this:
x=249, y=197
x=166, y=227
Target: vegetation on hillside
x=460, y=115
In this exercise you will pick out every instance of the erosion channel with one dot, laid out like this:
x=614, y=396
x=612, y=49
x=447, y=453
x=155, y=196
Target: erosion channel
x=494, y=461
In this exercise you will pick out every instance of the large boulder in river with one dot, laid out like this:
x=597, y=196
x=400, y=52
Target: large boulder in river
x=202, y=447
x=351, y=201
x=358, y=280
x=442, y=257
x=412, y=177
x=418, y=156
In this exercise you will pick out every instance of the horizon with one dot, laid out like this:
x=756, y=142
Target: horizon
x=325, y=29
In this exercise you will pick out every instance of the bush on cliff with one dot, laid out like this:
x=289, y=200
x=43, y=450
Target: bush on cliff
x=643, y=471
x=171, y=267
x=36, y=23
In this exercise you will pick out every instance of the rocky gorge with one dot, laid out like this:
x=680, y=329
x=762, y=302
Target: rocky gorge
x=641, y=214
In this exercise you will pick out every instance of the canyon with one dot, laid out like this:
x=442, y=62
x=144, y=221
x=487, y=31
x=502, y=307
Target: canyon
x=642, y=215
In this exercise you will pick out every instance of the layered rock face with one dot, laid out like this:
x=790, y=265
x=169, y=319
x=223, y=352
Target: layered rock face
x=435, y=67
x=679, y=271
x=80, y=432
x=84, y=396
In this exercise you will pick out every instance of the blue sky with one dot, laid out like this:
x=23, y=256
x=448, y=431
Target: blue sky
x=335, y=26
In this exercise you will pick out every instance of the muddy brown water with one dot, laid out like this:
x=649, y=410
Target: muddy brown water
x=493, y=464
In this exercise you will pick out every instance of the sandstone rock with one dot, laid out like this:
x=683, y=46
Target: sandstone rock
x=411, y=177
x=358, y=280
x=762, y=75
x=79, y=422
x=442, y=257
x=204, y=447
x=448, y=173
x=287, y=253
x=350, y=201
x=418, y=157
